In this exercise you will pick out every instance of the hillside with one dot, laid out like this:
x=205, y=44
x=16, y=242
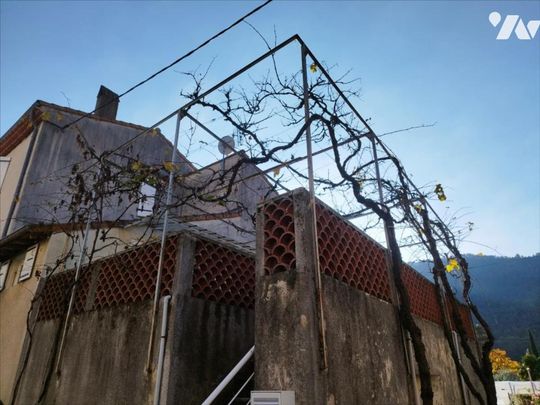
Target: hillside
x=507, y=292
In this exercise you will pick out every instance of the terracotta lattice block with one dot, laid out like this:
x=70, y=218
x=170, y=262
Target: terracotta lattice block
x=350, y=256
x=55, y=295
x=131, y=276
x=422, y=295
x=279, y=244
x=82, y=290
x=465, y=316
x=223, y=275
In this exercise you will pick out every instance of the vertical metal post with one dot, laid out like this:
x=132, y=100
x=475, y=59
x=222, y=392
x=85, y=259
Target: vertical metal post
x=163, y=243
x=76, y=280
x=405, y=335
x=531, y=381
x=318, y=281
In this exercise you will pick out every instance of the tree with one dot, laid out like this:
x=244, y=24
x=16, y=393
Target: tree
x=500, y=361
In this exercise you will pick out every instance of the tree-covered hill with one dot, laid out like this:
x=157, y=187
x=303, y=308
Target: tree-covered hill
x=507, y=292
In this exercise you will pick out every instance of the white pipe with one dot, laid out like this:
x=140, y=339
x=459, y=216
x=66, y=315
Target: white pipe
x=229, y=377
x=162, y=340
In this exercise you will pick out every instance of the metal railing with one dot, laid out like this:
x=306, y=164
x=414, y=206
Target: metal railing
x=221, y=386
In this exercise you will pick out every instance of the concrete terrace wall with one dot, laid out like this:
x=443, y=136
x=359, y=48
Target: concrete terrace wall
x=212, y=326
x=366, y=356
x=104, y=360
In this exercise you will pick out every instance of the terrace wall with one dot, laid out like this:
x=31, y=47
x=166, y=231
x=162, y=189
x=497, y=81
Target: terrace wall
x=366, y=356
x=104, y=359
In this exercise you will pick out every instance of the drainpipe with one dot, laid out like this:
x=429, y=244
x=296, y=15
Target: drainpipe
x=162, y=341
x=22, y=177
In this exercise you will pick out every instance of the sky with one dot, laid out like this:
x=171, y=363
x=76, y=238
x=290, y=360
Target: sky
x=417, y=63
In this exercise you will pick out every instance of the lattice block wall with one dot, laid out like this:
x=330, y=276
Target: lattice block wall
x=350, y=256
x=465, y=316
x=422, y=295
x=127, y=277
x=279, y=243
x=223, y=275
x=131, y=276
x=55, y=295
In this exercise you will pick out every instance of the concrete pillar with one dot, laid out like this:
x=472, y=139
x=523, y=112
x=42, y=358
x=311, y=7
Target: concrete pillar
x=286, y=328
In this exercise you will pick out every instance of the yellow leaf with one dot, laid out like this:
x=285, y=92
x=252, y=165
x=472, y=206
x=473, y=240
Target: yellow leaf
x=277, y=170
x=440, y=192
x=46, y=116
x=169, y=166
x=418, y=208
x=136, y=165
x=154, y=132
x=452, y=265
x=313, y=67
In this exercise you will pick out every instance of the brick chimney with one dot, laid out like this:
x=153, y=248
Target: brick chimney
x=106, y=103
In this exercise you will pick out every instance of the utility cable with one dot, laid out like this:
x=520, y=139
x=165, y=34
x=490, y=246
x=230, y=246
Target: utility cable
x=181, y=58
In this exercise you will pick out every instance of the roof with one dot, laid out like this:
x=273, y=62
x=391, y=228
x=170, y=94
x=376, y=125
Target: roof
x=35, y=115
x=29, y=235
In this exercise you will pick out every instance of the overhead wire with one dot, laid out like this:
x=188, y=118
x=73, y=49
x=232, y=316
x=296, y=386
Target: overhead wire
x=170, y=65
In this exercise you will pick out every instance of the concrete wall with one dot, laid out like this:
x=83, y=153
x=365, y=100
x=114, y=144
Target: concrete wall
x=206, y=339
x=103, y=362
x=104, y=359
x=366, y=356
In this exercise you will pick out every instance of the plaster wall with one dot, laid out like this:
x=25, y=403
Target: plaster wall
x=15, y=301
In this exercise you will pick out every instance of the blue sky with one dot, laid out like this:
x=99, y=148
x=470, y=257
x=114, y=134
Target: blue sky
x=419, y=62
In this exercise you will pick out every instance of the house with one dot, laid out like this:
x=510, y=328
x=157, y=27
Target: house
x=238, y=303
x=39, y=235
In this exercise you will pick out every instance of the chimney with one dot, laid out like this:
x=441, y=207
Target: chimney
x=107, y=103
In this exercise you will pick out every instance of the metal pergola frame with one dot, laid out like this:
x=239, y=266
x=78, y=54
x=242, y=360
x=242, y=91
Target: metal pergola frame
x=183, y=112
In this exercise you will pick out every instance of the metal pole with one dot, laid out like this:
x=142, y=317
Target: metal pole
x=77, y=276
x=531, y=381
x=163, y=338
x=163, y=243
x=405, y=335
x=318, y=281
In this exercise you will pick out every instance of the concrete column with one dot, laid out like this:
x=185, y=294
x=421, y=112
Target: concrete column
x=286, y=329
x=181, y=292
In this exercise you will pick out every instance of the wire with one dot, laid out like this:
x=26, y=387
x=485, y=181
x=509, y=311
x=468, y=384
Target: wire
x=181, y=58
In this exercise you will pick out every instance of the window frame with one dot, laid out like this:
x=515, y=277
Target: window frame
x=146, y=208
x=26, y=273
x=4, y=270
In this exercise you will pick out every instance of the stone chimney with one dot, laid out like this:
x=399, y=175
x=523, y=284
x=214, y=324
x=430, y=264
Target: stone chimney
x=106, y=103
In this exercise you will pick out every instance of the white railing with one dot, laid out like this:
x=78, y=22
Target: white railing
x=229, y=377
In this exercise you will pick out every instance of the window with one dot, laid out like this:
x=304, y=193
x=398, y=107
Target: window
x=3, y=274
x=28, y=265
x=147, y=200
x=4, y=163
